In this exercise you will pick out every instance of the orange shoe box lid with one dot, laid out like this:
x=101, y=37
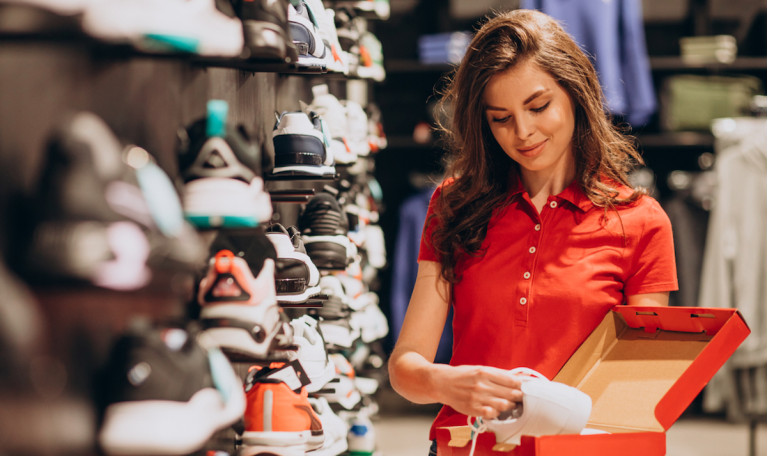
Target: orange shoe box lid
x=642, y=367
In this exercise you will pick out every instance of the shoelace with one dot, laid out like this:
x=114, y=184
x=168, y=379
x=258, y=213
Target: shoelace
x=477, y=427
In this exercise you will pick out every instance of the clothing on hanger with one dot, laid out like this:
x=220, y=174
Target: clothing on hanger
x=735, y=266
x=611, y=32
x=412, y=216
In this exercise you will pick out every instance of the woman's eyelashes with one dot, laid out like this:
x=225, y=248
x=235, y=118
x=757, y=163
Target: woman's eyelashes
x=535, y=110
x=542, y=108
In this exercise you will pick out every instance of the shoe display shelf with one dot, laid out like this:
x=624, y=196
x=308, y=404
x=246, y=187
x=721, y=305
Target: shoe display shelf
x=144, y=98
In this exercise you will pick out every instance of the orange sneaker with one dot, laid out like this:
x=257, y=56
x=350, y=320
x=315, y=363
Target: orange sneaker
x=276, y=416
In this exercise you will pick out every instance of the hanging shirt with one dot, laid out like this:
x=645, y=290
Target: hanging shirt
x=412, y=215
x=546, y=281
x=611, y=32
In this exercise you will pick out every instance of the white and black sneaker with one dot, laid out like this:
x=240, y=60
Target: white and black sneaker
x=305, y=33
x=221, y=168
x=296, y=277
x=302, y=145
x=324, y=230
x=164, y=394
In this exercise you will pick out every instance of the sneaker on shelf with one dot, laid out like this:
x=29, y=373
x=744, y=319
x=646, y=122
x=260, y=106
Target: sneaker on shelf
x=371, y=9
x=324, y=228
x=371, y=321
x=361, y=437
x=548, y=408
x=163, y=393
x=104, y=216
x=278, y=417
x=340, y=334
x=327, y=27
x=341, y=389
x=334, y=427
x=305, y=33
x=193, y=26
x=220, y=165
x=296, y=276
x=371, y=58
x=302, y=145
x=311, y=352
x=375, y=246
x=334, y=114
x=240, y=311
x=376, y=135
x=348, y=37
x=336, y=307
x=265, y=29
x=357, y=124
x=367, y=386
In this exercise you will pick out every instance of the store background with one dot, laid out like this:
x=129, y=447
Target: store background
x=147, y=98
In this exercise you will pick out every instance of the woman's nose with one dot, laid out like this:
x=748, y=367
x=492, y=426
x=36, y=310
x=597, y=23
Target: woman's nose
x=524, y=127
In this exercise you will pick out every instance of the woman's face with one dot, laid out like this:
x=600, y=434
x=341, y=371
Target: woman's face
x=531, y=116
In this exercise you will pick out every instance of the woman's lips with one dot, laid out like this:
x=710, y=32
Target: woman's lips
x=533, y=150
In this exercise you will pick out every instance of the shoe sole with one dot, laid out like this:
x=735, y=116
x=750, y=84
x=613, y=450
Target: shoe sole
x=298, y=298
x=262, y=450
x=327, y=255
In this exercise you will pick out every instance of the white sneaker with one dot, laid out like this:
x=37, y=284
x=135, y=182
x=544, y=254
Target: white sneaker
x=357, y=128
x=311, y=353
x=293, y=287
x=327, y=29
x=341, y=389
x=305, y=33
x=371, y=321
x=375, y=246
x=239, y=312
x=334, y=113
x=333, y=426
x=548, y=408
x=361, y=437
x=195, y=26
x=302, y=144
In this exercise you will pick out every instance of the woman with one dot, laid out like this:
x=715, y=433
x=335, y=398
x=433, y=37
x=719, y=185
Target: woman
x=536, y=235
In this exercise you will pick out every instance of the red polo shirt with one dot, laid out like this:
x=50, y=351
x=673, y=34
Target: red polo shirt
x=547, y=280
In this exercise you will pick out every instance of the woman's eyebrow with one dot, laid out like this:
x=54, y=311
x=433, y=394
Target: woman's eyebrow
x=532, y=97
x=537, y=94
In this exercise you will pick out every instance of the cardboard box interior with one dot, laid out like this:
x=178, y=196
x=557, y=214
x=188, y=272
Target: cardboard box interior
x=627, y=371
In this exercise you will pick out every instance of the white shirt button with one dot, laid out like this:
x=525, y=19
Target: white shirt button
x=538, y=227
x=523, y=301
x=526, y=275
x=532, y=249
x=553, y=204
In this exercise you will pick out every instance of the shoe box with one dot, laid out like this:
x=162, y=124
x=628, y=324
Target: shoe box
x=642, y=367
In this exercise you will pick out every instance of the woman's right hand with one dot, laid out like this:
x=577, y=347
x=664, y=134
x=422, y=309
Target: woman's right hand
x=477, y=390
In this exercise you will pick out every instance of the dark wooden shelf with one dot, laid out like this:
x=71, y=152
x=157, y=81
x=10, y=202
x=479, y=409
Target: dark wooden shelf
x=414, y=66
x=676, y=139
x=407, y=142
x=675, y=63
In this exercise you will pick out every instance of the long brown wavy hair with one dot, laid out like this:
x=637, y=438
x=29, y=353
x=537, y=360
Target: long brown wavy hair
x=481, y=170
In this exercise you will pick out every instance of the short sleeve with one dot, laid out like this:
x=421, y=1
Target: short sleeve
x=426, y=252
x=653, y=266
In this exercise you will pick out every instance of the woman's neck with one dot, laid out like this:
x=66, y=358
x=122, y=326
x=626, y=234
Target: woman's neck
x=551, y=181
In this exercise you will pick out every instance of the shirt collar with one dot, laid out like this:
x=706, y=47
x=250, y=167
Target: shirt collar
x=572, y=194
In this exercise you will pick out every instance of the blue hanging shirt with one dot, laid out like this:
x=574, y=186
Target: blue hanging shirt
x=611, y=33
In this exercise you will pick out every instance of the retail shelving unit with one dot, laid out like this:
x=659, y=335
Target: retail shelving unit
x=145, y=99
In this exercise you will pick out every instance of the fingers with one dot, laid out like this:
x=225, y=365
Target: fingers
x=502, y=377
